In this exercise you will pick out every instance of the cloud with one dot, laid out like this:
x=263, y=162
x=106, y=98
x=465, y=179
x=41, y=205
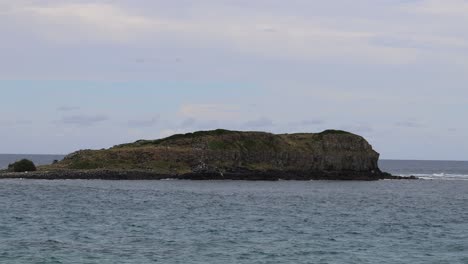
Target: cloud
x=210, y=111
x=409, y=124
x=68, y=108
x=69, y=21
x=194, y=124
x=358, y=128
x=303, y=124
x=422, y=42
x=261, y=33
x=189, y=122
x=265, y=32
x=169, y=132
x=83, y=120
x=15, y=122
x=439, y=7
x=144, y=122
x=261, y=122
x=312, y=122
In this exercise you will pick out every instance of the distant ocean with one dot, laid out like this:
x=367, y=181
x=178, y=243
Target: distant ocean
x=427, y=169
x=104, y=222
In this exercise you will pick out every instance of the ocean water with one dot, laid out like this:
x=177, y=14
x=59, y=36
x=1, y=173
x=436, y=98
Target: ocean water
x=390, y=221
x=427, y=169
x=233, y=222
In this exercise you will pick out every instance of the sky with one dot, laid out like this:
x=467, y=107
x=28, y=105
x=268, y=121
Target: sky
x=93, y=74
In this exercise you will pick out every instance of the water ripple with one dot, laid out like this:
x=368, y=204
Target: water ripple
x=233, y=222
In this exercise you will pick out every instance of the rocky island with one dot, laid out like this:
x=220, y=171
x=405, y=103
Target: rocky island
x=224, y=154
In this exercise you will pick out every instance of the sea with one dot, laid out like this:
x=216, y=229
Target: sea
x=174, y=221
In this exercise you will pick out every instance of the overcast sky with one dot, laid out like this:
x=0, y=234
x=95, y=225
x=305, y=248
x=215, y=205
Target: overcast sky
x=92, y=74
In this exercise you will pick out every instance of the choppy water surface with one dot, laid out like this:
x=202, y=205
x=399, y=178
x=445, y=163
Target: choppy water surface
x=233, y=222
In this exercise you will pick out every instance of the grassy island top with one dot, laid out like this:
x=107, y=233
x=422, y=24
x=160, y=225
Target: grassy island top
x=226, y=149
x=219, y=133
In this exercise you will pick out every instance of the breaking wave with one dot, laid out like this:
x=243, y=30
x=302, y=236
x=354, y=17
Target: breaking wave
x=438, y=176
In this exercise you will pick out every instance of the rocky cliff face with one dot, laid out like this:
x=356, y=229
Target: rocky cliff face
x=224, y=152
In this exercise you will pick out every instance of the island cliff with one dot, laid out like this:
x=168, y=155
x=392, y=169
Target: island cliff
x=224, y=154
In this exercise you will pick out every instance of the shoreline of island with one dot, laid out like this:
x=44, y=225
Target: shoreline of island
x=198, y=176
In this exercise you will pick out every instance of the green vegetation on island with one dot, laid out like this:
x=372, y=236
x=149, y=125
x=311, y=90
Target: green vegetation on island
x=225, y=150
x=23, y=165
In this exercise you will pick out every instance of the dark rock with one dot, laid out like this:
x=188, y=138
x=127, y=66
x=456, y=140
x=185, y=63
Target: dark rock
x=206, y=175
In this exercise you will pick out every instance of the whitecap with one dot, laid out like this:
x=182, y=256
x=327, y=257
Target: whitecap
x=438, y=176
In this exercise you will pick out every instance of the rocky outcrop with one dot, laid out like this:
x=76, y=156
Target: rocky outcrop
x=224, y=154
x=204, y=175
